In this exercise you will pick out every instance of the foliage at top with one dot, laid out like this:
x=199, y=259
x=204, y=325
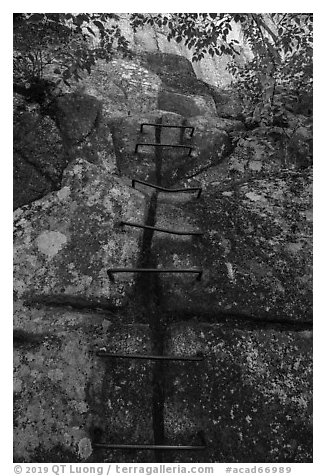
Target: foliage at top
x=62, y=45
x=203, y=33
x=278, y=74
x=280, y=71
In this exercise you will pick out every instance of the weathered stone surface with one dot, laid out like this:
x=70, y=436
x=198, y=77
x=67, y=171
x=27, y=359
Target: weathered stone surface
x=176, y=73
x=39, y=157
x=256, y=252
x=262, y=152
x=227, y=102
x=211, y=143
x=57, y=383
x=251, y=395
x=123, y=87
x=266, y=152
x=202, y=124
x=186, y=106
x=43, y=147
x=126, y=134
x=66, y=396
x=211, y=70
x=77, y=115
x=65, y=242
x=29, y=182
x=84, y=129
x=127, y=390
x=149, y=82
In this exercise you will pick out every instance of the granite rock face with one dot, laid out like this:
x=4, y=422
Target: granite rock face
x=39, y=158
x=250, y=314
x=256, y=251
x=267, y=149
x=148, y=82
x=123, y=86
x=152, y=41
x=251, y=395
x=76, y=115
x=60, y=383
x=186, y=106
x=227, y=102
x=65, y=242
x=210, y=144
x=44, y=144
x=176, y=73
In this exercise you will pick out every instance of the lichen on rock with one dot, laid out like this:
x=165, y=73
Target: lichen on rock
x=250, y=314
x=256, y=251
x=252, y=393
x=65, y=242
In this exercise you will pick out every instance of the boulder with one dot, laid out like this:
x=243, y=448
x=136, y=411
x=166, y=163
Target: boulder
x=262, y=152
x=212, y=70
x=84, y=129
x=256, y=251
x=148, y=82
x=122, y=86
x=250, y=314
x=44, y=146
x=210, y=143
x=186, y=106
x=29, y=182
x=39, y=157
x=126, y=134
x=250, y=397
x=76, y=116
x=66, y=396
x=65, y=242
x=227, y=102
x=176, y=72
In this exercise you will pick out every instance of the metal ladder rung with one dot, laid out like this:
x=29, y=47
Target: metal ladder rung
x=149, y=447
x=153, y=270
x=105, y=354
x=111, y=271
x=153, y=144
x=164, y=230
x=169, y=190
x=167, y=126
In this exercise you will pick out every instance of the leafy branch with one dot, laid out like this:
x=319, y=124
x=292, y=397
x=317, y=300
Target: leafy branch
x=64, y=45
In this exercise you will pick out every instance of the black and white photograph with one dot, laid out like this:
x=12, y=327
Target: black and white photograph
x=163, y=240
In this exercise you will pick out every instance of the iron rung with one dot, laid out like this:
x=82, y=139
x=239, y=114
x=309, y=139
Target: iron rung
x=153, y=270
x=171, y=190
x=153, y=144
x=164, y=230
x=166, y=125
x=196, y=358
x=148, y=447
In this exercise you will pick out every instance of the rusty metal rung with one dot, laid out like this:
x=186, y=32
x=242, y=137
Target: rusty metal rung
x=151, y=144
x=149, y=447
x=169, y=190
x=196, y=358
x=164, y=230
x=153, y=270
x=166, y=125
